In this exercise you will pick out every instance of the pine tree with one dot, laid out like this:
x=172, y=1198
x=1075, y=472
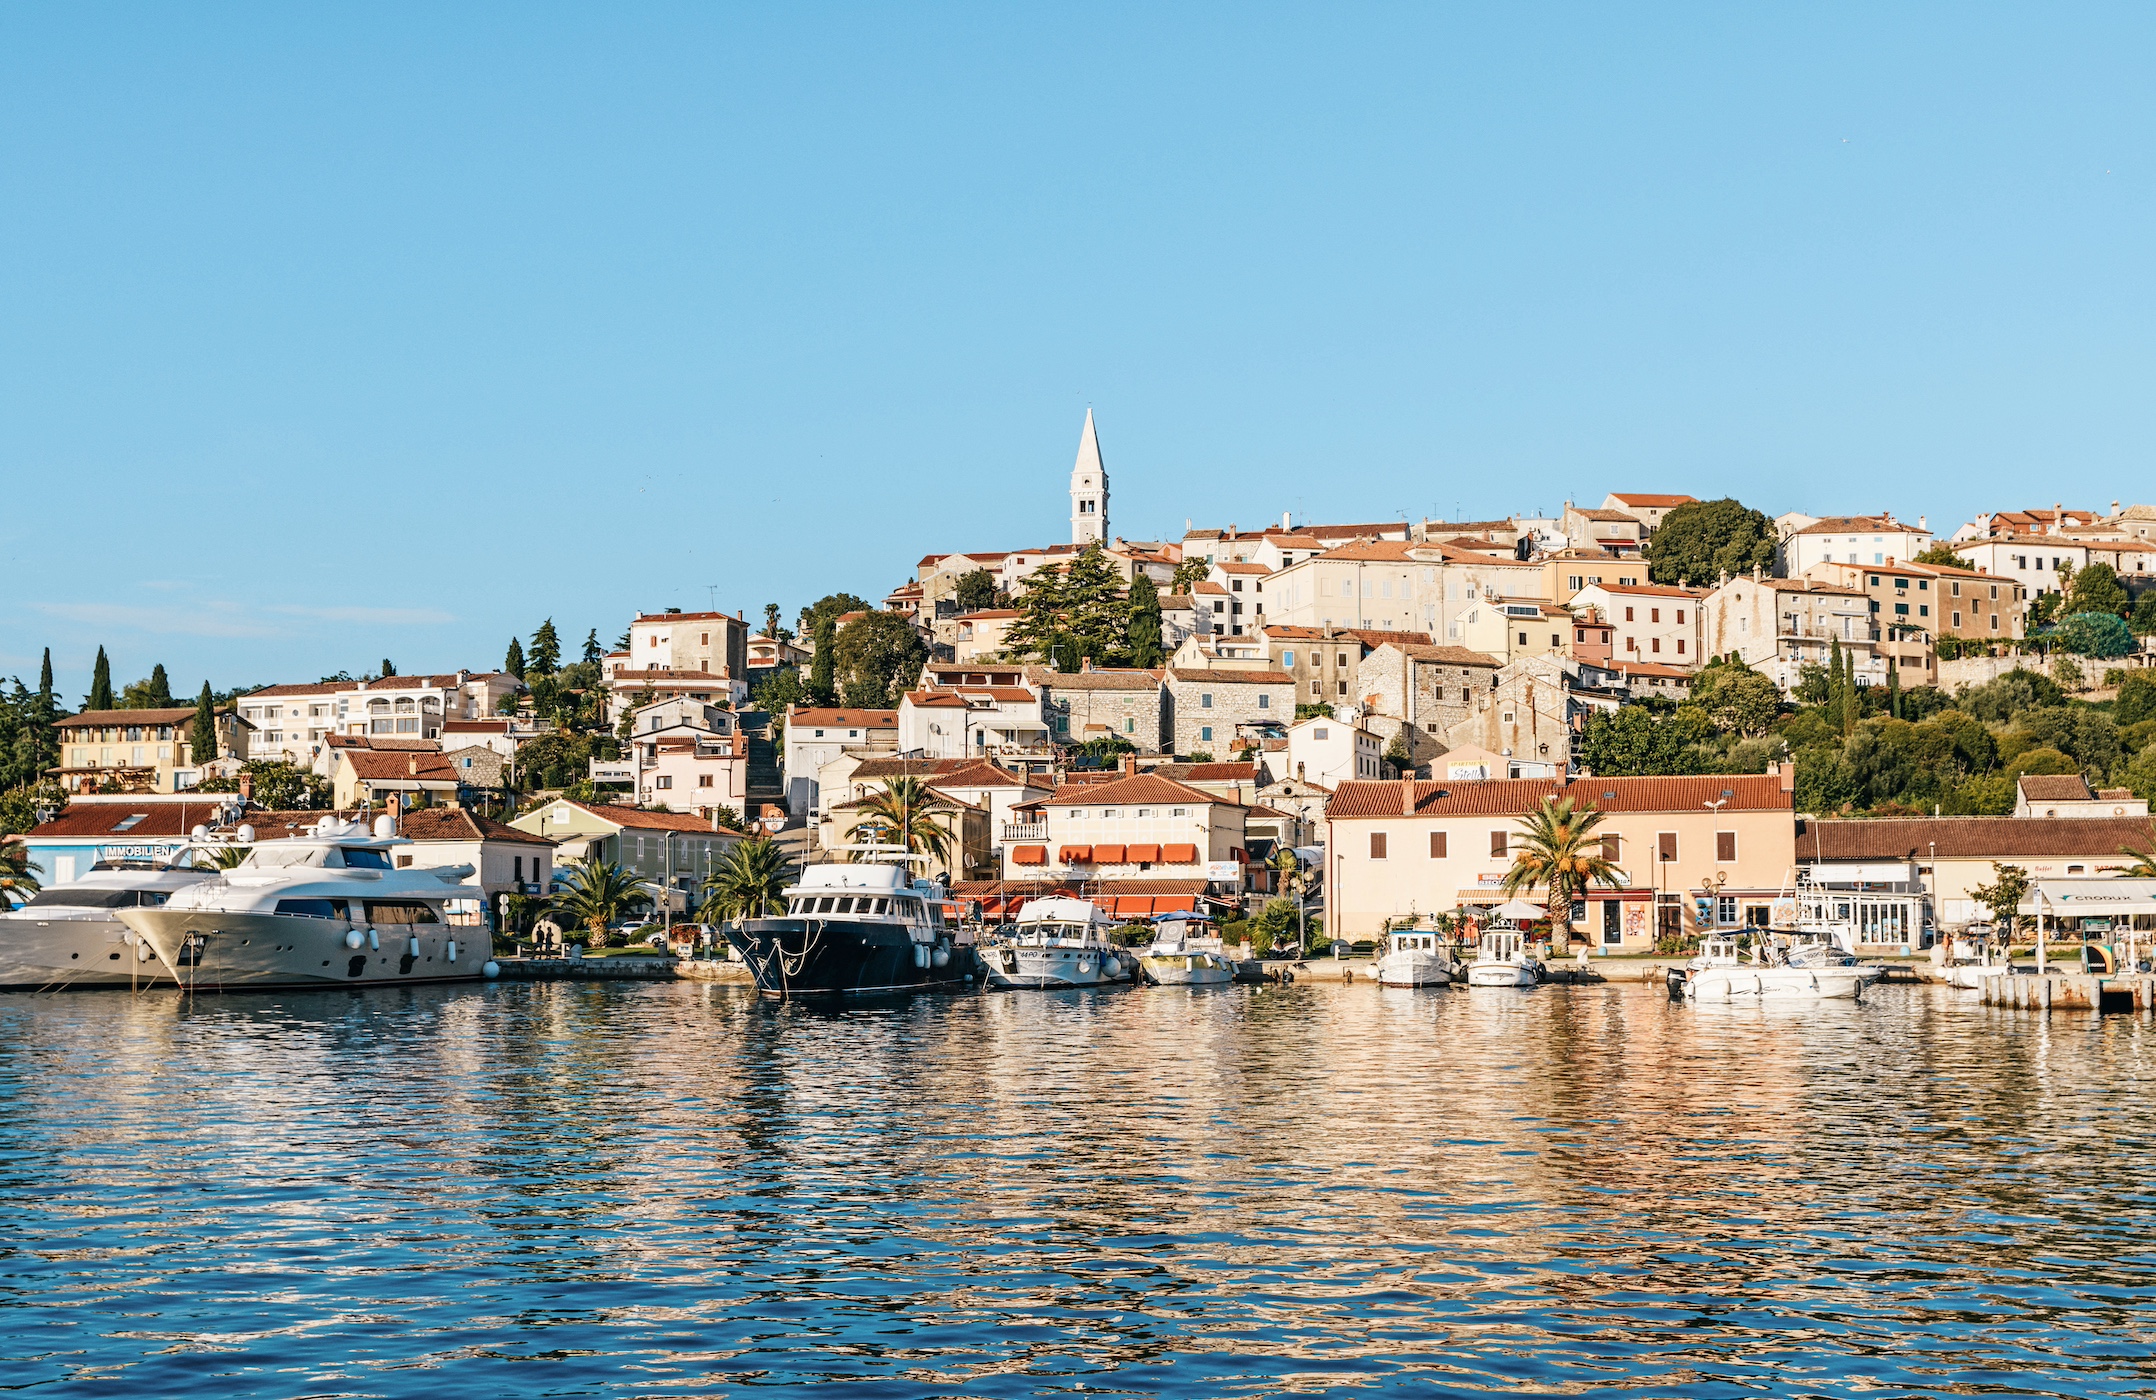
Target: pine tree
x=202, y=737
x=592, y=655
x=160, y=696
x=389, y=667
x=546, y=649
x=100, y=697
x=1145, y=647
x=822, y=686
x=513, y=663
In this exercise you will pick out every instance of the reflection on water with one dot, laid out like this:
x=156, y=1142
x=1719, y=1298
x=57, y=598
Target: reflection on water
x=673, y=1191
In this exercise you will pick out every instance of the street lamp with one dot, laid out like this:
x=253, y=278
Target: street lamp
x=1720, y=877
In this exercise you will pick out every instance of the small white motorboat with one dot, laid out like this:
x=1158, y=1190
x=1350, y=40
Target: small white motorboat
x=1770, y=978
x=1502, y=960
x=1186, y=951
x=1058, y=942
x=1415, y=958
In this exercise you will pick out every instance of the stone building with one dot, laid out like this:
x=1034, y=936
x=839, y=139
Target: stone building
x=1131, y=705
x=1216, y=711
x=1421, y=692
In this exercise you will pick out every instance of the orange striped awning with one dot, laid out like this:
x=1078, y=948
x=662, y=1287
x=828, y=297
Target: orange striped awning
x=1179, y=854
x=1029, y=855
x=1078, y=854
x=1145, y=851
x=1107, y=855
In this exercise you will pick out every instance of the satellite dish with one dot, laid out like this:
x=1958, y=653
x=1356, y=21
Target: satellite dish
x=245, y=835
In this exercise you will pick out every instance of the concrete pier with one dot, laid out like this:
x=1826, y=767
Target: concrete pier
x=2071, y=991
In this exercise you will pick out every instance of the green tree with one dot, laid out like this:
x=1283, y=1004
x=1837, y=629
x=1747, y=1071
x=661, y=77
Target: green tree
x=976, y=590
x=389, y=668
x=2067, y=672
x=1636, y=742
x=2144, y=621
x=278, y=785
x=1940, y=555
x=593, y=657
x=1189, y=574
x=2009, y=886
x=823, y=665
x=778, y=690
x=1145, y=641
x=2144, y=858
x=202, y=735
x=2099, y=634
x=545, y=654
x=877, y=658
x=771, y=621
x=2136, y=699
x=1557, y=849
x=596, y=892
x=100, y=697
x=832, y=606
x=749, y=882
x=1074, y=612
x=903, y=813
x=1700, y=541
x=1396, y=753
x=1736, y=699
x=513, y=663
x=151, y=693
x=2096, y=589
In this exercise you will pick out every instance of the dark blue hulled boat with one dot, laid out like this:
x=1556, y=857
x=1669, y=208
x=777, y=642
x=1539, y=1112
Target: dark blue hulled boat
x=860, y=928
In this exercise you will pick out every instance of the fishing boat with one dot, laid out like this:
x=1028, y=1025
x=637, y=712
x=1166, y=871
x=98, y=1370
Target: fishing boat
x=1502, y=960
x=863, y=927
x=1186, y=951
x=327, y=907
x=1415, y=958
x=1058, y=942
x=70, y=934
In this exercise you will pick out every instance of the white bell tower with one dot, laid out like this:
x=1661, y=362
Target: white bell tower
x=1089, y=489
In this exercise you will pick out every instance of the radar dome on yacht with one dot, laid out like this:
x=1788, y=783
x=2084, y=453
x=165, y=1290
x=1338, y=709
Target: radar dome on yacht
x=385, y=826
x=245, y=835
x=200, y=832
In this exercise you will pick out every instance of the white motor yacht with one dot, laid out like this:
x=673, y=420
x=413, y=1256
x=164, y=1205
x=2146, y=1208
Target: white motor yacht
x=863, y=927
x=1186, y=951
x=1058, y=942
x=1415, y=958
x=1502, y=960
x=330, y=907
x=70, y=935
x=1770, y=977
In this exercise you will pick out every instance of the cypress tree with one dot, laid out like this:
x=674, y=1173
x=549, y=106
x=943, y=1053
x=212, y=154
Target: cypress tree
x=1144, y=622
x=513, y=663
x=100, y=697
x=202, y=736
x=389, y=667
x=44, y=731
x=1893, y=688
x=822, y=686
x=160, y=692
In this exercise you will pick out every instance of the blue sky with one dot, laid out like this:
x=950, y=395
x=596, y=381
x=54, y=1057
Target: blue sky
x=333, y=333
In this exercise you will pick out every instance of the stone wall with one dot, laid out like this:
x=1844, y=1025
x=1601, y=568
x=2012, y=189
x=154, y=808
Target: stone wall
x=1236, y=699
x=1137, y=715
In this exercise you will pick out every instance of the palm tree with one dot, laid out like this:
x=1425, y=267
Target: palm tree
x=1291, y=881
x=596, y=892
x=228, y=857
x=2144, y=866
x=749, y=883
x=904, y=814
x=18, y=873
x=1560, y=853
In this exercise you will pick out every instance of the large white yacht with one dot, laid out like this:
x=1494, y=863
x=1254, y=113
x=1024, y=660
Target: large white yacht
x=1771, y=977
x=330, y=907
x=863, y=927
x=70, y=935
x=1058, y=942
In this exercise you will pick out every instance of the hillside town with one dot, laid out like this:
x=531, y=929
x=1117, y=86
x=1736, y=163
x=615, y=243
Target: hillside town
x=1334, y=726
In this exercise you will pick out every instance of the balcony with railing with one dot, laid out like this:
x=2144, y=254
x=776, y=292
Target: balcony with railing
x=1025, y=831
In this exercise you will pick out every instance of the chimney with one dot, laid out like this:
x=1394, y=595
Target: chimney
x=1923, y=522
x=1287, y=520
x=1130, y=765
x=1407, y=796
x=411, y=765
x=247, y=787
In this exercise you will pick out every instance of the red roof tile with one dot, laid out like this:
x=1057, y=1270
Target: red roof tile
x=1516, y=796
x=1983, y=838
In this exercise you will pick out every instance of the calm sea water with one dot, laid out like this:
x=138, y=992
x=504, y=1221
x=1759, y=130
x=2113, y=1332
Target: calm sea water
x=660, y=1191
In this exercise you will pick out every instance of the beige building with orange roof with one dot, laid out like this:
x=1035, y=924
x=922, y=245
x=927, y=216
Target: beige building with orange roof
x=1134, y=826
x=1647, y=507
x=1653, y=623
x=1849, y=539
x=1947, y=602
x=1777, y=626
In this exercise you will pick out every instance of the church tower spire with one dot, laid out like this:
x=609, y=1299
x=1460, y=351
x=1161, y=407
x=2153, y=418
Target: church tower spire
x=1089, y=489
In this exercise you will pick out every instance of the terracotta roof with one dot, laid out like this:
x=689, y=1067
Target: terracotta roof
x=475, y=726
x=1641, y=498
x=457, y=824
x=1233, y=566
x=987, y=889
x=1138, y=787
x=178, y=714
x=1207, y=586
x=1513, y=797
x=1111, y=679
x=1858, y=525
x=1207, y=772
x=649, y=821
x=272, y=692
x=687, y=617
x=1282, y=632
x=2055, y=787
x=165, y=817
x=1334, y=532
x=441, y=680
x=982, y=613
x=1376, y=637
x=1448, y=655
x=1650, y=668
x=1984, y=838
x=1652, y=590
x=942, y=698
x=1382, y=551
x=911, y=767
x=381, y=743
x=979, y=774
x=384, y=765
x=1223, y=676
x=845, y=719
x=1609, y=515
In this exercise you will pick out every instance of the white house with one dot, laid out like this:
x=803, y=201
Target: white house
x=815, y=736
x=1333, y=751
x=983, y=721
x=1848, y=539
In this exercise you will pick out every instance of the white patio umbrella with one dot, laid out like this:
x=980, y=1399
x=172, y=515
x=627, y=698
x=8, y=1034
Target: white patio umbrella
x=1518, y=911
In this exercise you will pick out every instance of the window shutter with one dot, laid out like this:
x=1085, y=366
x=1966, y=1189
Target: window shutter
x=1377, y=845
x=1725, y=845
x=1437, y=845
